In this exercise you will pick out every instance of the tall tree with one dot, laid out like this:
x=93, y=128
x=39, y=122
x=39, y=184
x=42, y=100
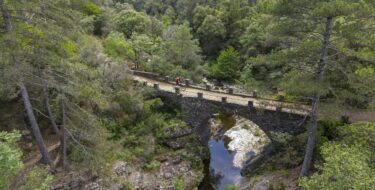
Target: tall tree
x=313, y=32
x=181, y=48
x=24, y=92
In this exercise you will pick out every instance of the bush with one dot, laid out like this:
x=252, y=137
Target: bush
x=280, y=140
x=116, y=46
x=179, y=184
x=348, y=163
x=153, y=165
x=231, y=187
x=10, y=157
x=92, y=9
x=277, y=186
x=38, y=179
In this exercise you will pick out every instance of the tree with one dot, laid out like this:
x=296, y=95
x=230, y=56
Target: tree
x=144, y=46
x=130, y=21
x=181, y=48
x=8, y=26
x=227, y=66
x=211, y=34
x=116, y=46
x=309, y=48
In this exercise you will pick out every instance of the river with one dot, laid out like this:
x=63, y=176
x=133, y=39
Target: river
x=233, y=141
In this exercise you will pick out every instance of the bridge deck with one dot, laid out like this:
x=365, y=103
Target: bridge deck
x=231, y=98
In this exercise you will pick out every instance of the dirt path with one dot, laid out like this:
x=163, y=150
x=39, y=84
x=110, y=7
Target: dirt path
x=34, y=156
x=235, y=99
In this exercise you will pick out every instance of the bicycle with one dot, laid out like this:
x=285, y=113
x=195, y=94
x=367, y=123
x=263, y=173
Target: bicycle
x=182, y=88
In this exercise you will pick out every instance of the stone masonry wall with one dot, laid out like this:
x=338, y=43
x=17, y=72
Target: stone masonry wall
x=197, y=111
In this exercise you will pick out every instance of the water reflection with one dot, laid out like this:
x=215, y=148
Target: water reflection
x=230, y=132
x=221, y=165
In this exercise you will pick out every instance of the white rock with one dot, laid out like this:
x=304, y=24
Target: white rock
x=243, y=140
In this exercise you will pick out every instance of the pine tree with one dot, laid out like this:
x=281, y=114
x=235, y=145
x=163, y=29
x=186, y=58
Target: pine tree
x=314, y=32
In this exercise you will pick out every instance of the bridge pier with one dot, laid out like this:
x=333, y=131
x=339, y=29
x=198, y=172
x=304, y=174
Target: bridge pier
x=208, y=87
x=230, y=90
x=187, y=82
x=200, y=95
x=224, y=99
x=166, y=79
x=250, y=104
x=156, y=86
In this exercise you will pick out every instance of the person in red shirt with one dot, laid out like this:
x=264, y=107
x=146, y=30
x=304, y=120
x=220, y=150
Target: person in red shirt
x=178, y=81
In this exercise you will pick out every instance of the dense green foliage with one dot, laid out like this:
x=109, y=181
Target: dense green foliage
x=39, y=178
x=10, y=157
x=75, y=55
x=348, y=161
x=116, y=46
x=227, y=66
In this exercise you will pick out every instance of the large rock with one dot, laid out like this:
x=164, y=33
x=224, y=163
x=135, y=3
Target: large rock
x=263, y=184
x=78, y=181
x=247, y=140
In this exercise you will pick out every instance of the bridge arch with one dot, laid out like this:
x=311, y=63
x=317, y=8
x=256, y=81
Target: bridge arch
x=197, y=111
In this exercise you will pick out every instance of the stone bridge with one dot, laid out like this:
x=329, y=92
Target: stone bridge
x=199, y=104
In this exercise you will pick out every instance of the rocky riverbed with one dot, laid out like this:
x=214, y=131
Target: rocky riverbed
x=234, y=140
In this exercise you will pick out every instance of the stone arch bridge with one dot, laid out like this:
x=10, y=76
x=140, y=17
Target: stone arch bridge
x=198, y=104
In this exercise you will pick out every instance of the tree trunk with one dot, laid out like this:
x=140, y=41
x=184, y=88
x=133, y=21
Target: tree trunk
x=43, y=83
x=63, y=136
x=319, y=76
x=25, y=95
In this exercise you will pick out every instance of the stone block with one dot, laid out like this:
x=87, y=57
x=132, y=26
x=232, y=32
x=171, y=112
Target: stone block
x=208, y=87
x=230, y=90
x=250, y=104
x=187, y=82
x=156, y=86
x=200, y=95
x=224, y=99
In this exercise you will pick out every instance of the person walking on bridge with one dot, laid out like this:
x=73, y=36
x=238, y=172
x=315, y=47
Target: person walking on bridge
x=178, y=81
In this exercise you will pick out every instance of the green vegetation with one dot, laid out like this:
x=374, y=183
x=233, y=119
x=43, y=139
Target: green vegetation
x=179, y=184
x=231, y=187
x=38, y=179
x=10, y=157
x=64, y=73
x=348, y=161
x=227, y=66
x=116, y=46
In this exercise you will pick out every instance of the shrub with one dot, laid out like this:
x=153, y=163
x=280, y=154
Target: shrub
x=280, y=140
x=179, y=184
x=38, y=179
x=348, y=163
x=153, y=165
x=10, y=157
x=92, y=9
x=116, y=46
x=231, y=187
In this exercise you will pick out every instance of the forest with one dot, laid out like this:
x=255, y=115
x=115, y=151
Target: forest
x=73, y=117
